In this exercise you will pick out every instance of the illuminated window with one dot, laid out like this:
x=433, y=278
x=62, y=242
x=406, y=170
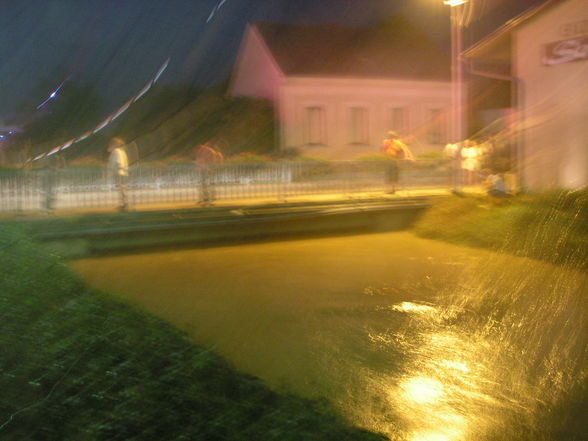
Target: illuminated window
x=315, y=126
x=435, y=125
x=398, y=120
x=359, y=125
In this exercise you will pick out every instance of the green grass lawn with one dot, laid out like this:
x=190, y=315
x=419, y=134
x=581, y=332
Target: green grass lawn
x=78, y=365
x=551, y=226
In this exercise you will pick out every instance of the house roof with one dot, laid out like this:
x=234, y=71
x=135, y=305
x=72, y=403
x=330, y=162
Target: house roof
x=496, y=45
x=391, y=49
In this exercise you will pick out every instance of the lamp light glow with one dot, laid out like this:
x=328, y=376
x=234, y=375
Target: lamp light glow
x=453, y=3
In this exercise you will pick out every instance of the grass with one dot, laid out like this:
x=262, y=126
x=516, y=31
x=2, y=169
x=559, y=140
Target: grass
x=78, y=365
x=551, y=226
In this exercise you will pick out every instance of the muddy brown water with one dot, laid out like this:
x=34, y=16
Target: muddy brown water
x=418, y=339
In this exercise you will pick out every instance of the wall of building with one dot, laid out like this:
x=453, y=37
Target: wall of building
x=554, y=99
x=256, y=74
x=342, y=136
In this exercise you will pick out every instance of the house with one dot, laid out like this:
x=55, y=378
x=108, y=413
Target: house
x=338, y=90
x=543, y=56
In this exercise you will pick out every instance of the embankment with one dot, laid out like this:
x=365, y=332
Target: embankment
x=75, y=236
x=78, y=365
x=552, y=227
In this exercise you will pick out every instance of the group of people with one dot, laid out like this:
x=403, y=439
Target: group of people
x=205, y=158
x=470, y=157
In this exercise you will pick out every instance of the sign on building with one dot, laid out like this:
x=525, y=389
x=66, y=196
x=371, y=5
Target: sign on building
x=564, y=51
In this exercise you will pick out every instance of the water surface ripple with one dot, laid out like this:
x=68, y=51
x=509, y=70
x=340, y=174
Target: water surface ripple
x=420, y=340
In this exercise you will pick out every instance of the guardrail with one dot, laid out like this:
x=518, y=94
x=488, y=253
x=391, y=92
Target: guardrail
x=72, y=188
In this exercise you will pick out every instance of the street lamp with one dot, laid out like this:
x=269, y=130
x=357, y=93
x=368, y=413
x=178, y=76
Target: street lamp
x=454, y=2
x=456, y=131
x=456, y=70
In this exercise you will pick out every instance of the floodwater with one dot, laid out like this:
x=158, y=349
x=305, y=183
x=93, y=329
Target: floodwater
x=417, y=339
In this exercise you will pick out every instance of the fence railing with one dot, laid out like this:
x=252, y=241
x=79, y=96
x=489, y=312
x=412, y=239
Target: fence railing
x=71, y=188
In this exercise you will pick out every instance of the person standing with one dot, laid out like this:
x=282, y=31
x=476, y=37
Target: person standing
x=118, y=169
x=393, y=147
x=495, y=185
x=470, y=161
x=207, y=159
x=50, y=178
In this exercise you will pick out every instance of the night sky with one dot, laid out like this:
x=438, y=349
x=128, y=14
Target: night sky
x=117, y=45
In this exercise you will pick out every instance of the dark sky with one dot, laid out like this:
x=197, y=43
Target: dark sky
x=117, y=45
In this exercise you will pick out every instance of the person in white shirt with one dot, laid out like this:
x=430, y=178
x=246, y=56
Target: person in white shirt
x=118, y=168
x=495, y=185
x=470, y=161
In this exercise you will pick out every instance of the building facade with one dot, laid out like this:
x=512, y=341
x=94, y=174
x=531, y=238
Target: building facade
x=338, y=91
x=544, y=53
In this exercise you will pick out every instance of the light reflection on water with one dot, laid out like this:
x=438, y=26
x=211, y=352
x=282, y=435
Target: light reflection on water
x=488, y=365
x=441, y=385
x=427, y=342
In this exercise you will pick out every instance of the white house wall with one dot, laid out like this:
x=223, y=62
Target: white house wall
x=553, y=100
x=337, y=96
x=257, y=75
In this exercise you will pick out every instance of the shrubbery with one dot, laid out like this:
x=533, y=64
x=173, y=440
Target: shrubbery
x=375, y=157
x=174, y=122
x=248, y=158
x=77, y=365
x=87, y=161
x=432, y=155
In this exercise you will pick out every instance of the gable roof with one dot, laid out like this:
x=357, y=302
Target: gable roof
x=496, y=45
x=392, y=49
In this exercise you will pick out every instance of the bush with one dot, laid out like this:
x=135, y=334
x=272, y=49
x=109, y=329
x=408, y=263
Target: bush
x=179, y=160
x=247, y=158
x=288, y=153
x=431, y=154
x=375, y=157
x=9, y=167
x=87, y=162
x=76, y=365
x=313, y=159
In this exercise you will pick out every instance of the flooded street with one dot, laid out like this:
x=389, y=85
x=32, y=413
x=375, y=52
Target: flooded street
x=418, y=339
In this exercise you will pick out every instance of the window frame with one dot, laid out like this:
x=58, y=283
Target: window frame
x=398, y=119
x=315, y=125
x=359, y=125
x=435, y=125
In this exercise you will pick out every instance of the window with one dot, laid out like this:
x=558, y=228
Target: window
x=359, y=125
x=435, y=126
x=315, y=126
x=398, y=120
